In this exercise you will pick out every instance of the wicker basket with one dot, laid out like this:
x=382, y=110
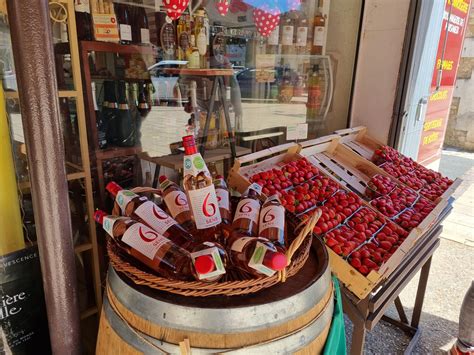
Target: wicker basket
x=297, y=254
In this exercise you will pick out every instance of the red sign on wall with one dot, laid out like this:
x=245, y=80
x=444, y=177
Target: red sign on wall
x=436, y=119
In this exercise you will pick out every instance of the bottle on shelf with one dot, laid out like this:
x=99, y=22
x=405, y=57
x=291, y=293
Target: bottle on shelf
x=319, y=33
x=272, y=221
x=193, y=57
x=124, y=21
x=197, y=183
x=302, y=34
x=127, y=125
x=314, y=93
x=273, y=41
x=201, y=35
x=143, y=106
x=83, y=20
x=182, y=33
x=286, y=89
x=177, y=203
x=142, y=29
x=101, y=123
x=155, y=251
x=110, y=112
x=288, y=23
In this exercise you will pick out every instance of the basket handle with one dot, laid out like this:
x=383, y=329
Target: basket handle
x=307, y=230
x=116, y=209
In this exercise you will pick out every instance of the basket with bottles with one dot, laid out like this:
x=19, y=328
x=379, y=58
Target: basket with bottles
x=200, y=241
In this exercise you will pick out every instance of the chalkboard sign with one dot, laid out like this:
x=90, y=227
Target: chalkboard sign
x=22, y=307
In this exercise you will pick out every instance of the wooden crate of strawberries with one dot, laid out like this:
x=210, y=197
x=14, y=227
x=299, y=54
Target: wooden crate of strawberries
x=364, y=246
x=396, y=201
x=426, y=182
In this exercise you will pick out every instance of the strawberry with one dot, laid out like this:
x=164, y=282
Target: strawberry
x=355, y=262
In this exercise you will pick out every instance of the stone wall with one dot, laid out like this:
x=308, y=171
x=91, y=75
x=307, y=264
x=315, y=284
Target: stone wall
x=460, y=130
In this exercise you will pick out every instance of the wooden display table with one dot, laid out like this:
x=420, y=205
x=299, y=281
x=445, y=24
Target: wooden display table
x=218, y=91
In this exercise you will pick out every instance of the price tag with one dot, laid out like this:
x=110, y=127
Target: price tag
x=298, y=131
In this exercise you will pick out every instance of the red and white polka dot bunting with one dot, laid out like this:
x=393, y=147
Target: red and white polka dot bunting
x=222, y=7
x=266, y=21
x=175, y=8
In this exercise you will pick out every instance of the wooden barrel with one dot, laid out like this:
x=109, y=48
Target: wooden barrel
x=293, y=317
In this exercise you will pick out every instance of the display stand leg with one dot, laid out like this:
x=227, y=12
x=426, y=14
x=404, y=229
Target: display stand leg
x=358, y=337
x=205, y=131
x=227, y=118
x=400, y=310
x=420, y=293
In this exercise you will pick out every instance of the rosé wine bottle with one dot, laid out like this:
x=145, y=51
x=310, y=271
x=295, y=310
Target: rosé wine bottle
x=272, y=221
x=197, y=183
x=155, y=251
x=177, y=203
x=257, y=256
x=247, y=212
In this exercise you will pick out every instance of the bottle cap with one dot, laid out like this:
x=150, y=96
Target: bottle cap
x=99, y=216
x=163, y=178
x=189, y=145
x=275, y=261
x=188, y=140
x=204, y=264
x=113, y=188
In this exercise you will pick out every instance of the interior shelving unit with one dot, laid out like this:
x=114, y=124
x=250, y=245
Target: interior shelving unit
x=97, y=154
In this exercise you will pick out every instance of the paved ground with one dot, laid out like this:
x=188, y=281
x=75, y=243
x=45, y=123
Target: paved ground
x=452, y=271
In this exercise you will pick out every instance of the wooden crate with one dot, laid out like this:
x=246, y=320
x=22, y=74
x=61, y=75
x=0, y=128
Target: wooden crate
x=248, y=165
x=358, y=140
x=353, y=172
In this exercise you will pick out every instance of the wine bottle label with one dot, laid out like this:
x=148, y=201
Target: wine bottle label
x=205, y=207
x=287, y=36
x=155, y=217
x=201, y=42
x=223, y=198
x=145, y=35
x=272, y=217
x=218, y=264
x=125, y=32
x=318, y=39
x=108, y=223
x=124, y=197
x=194, y=164
x=145, y=240
x=273, y=38
x=82, y=6
x=183, y=41
x=248, y=208
x=240, y=243
x=256, y=261
x=176, y=202
x=301, y=36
